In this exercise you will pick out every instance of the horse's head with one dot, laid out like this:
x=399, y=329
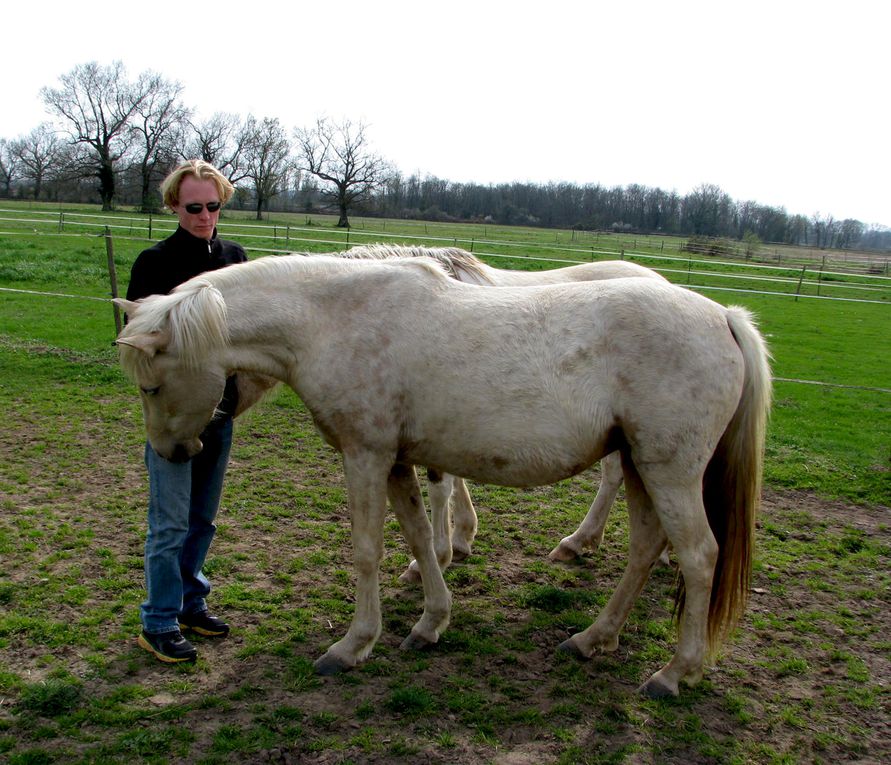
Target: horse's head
x=179, y=394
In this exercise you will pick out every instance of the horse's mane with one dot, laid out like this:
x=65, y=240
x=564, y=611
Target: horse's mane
x=193, y=317
x=455, y=260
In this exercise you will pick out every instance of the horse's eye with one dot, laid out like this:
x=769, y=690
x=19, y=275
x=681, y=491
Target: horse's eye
x=151, y=391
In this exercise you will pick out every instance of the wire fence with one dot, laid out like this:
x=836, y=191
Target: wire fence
x=810, y=280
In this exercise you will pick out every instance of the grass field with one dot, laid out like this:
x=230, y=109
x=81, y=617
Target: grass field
x=803, y=680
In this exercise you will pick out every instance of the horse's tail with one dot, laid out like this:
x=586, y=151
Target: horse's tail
x=732, y=483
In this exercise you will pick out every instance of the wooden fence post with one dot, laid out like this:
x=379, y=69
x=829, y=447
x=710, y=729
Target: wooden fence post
x=113, y=277
x=800, y=280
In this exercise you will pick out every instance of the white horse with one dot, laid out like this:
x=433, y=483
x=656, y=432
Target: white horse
x=400, y=365
x=443, y=488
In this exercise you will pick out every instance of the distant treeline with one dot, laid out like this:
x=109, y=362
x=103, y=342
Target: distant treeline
x=707, y=211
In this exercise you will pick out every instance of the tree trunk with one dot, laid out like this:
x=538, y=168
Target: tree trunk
x=106, y=185
x=344, y=221
x=147, y=205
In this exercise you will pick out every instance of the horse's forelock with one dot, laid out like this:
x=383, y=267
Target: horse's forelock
x=135, y=363
x=197, y=322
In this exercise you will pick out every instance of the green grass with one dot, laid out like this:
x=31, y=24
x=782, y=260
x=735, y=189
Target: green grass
x=800, y=682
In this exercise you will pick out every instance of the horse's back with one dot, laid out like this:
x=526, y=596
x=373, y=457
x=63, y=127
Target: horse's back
x=584, y=272
x=551, y=374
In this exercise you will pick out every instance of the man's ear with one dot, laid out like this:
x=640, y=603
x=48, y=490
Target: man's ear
x=149, y=343
x=129, y=307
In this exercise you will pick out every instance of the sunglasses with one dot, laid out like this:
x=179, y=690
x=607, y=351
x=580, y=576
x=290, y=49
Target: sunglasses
x=195, y=208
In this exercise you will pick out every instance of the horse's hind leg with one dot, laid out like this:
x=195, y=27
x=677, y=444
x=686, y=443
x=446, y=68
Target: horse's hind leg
x=683, y=516
x=646, y=540
x=590, y=533
x=405, y=499
x=465, y=521
x=439, y=489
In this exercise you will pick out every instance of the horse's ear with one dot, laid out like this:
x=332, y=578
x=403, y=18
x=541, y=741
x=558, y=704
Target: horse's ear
x=149, y=343
x=129, y=307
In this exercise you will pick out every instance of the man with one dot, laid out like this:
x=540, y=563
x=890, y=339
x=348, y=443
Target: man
x=184, y=497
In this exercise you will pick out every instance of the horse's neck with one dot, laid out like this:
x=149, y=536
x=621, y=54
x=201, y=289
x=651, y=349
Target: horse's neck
x=263, y=333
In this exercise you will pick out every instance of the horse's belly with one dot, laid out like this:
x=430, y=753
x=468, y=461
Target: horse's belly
x=530, y=463
x=502, y=471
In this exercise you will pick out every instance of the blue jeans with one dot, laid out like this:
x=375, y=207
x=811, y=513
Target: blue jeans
x=183, y=501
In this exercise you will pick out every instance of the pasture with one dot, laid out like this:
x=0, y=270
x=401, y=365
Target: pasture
x=804, y=679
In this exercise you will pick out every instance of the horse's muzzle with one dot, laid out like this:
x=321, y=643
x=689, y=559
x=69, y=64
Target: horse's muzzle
x=180, y=454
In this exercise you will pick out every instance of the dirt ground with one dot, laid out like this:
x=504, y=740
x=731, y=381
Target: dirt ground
x=352, y=718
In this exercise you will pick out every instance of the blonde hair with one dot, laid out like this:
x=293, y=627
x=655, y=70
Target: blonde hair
x=203, y=171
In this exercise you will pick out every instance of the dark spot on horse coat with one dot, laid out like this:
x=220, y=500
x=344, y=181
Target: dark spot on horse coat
x=576, y=359
x=434, y=475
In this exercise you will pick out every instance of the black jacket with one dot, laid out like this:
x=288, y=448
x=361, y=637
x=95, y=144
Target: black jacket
x=176, y=259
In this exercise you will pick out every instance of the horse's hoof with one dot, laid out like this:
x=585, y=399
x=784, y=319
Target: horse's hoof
x=656, y=688
x=563, y=553
x=330, y=665
x=416, y=643
x=410, y=576
x=569, y=648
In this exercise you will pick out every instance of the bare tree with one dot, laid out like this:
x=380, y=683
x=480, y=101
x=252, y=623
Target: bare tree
x=707, y=210
x=40, y=154
x=850, y=232
x=823, y=230
x=267, y=159
x=220, y=140
x=156, y=128
x=338, y=154
x=97, y=103
x=10, y=165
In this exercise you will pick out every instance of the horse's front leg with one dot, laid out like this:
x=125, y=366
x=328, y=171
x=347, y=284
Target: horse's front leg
x=405, y=499
x=439, y=490
x=366, y=480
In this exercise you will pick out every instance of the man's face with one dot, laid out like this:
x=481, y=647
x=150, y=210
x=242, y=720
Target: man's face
x=192, y=193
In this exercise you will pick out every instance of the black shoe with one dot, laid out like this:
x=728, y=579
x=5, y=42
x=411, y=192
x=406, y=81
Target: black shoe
x=204, y=624
x=170, y=647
